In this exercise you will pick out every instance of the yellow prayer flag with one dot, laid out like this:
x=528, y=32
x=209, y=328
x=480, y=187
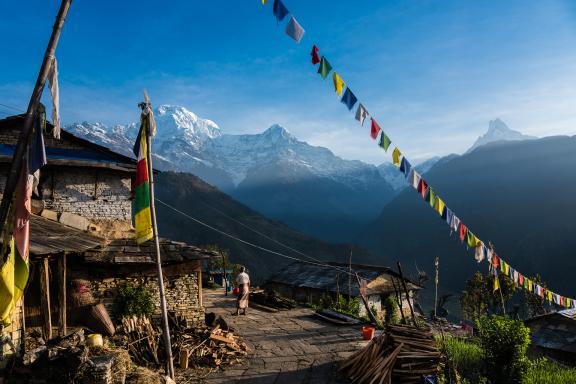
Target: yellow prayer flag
x=529, y=285
x=507, y=269
x=549, y=296
x=338, y=83
x=496, y=284
x=567, y=302
x=264, y=2
x=396, y=156
x=7, y=286
x=439, y=205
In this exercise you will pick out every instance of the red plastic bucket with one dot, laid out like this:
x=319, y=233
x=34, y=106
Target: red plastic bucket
x=368, y=332
x=236, y=291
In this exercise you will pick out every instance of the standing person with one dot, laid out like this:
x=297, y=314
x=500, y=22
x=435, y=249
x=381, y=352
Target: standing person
x=243, y=281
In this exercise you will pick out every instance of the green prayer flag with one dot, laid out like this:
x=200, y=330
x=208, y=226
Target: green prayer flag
x=324, y=68
x=384, y=141
x=431, y=197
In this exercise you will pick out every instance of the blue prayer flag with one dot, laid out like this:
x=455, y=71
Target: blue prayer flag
x=279, y=10
x=349, y=99
x=294, y=30
x=37, y=152
x=405, y=167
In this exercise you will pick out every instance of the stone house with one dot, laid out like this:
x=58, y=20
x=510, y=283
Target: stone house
x=81, y=230
x=554, y=335
x=309, y=283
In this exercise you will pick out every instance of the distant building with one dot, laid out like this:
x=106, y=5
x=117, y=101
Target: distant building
x=306, y=282
x=554, y=335
x=81, y=235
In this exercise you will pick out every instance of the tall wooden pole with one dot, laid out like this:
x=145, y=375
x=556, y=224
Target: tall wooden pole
x=12, y=178
x=407, y=294
x=436, y=265
x=350, y=275
x=163, y=309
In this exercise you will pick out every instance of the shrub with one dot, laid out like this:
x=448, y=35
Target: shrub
x=134, y=300
x=504, y=343
x=391, y=310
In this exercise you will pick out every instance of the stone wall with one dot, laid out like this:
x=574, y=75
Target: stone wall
x=11, y=337
x=181, y=289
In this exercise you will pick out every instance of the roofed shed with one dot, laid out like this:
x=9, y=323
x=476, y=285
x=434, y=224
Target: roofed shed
x=307, y=282
x=554, y=335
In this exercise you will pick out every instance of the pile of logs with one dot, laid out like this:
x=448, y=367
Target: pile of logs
x=402, y=355
x=270, y=300
x=143, y=340
x=205, y=347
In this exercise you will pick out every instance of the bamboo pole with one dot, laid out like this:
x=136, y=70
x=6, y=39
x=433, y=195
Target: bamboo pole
x=62, y=295
x=16, y=164
x=370, y=314
x=163, y=309
x=407, y=294
x=45, y=298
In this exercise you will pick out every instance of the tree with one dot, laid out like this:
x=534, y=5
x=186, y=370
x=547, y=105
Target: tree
x=535, y=304
x=503, y=294
x=473, y=299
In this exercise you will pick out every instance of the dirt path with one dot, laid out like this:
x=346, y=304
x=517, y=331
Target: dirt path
x=289, y=347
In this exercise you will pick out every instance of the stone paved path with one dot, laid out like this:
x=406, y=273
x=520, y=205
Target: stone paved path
x=289, y=347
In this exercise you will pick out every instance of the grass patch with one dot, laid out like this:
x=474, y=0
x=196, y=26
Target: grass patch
x=544, y=371
x=465, y=357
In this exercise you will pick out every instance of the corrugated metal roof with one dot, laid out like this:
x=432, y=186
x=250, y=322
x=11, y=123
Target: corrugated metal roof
x=328, y=278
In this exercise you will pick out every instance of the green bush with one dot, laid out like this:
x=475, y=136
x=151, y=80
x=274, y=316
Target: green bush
x=465, y=357
x=504, y=343
x=134, y=300
x=391, y=310
x=544, y=371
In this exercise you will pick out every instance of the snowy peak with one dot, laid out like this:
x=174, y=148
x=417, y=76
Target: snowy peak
x=278, y=133
x=175, y=122
x=498, y=131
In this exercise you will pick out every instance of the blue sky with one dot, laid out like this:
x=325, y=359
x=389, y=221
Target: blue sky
x=432, y=72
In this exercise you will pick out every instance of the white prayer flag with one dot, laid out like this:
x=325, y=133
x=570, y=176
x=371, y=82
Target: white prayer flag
x=294, y=30
x=361, y=114
x=55, y=93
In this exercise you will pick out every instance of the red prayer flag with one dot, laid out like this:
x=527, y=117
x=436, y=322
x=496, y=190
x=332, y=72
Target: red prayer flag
x=422, y=186
x=314, y=53
x=374, y=129
x=463, y=231
x=520, y=279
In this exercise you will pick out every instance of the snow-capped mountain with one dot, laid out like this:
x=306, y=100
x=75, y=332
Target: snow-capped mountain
x=499, y=131
x=273, y=172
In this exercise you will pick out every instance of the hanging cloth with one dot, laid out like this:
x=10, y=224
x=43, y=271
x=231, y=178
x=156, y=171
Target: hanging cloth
x=396, y=156
x=314, y=54
x=431, y=196
x=349, y=99
x=422, y=187
x=384, y=140
x=294, y=30
x=479, y=253
x=496, y=285
x=324, y=68
x=264, y=2
x=471, y=240
x=374, y=130
x=338, y=83
x=405, y=167
x=448, y=216
x=279, y=10
x=455, y=223
x=55, y=93
x=463, y=232
x=439, y=205
x=361, y=114
x=415, y=179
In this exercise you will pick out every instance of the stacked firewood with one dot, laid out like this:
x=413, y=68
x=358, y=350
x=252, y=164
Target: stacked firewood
x=402, y=355
x=205, y=347
x=142, y=340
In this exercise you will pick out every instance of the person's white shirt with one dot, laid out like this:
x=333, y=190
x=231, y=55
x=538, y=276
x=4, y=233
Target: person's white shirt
x=243, y=278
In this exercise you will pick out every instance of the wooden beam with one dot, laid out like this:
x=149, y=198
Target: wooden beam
x=45, y=298
x=62, y=295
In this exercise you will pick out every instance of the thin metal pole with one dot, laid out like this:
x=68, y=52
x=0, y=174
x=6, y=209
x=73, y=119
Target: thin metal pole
x=167, y=342
x=12, y=178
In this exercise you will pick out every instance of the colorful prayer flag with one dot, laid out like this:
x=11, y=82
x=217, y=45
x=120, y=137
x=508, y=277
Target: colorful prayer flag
x=463, y=232
x=324, y=68
x=455, y=222
x=431, y=196
x=479, y=253
x=384, y=141
x=264, y=2
x=422, y=188
x=374, y=130
x=415, y=179
x=314, y=54
x=439, y=205
x=55, y=94
x=7, y=286
x=471, y=240
x=338, y=83
x=496, y=285
x=294, y=30
x=361, y=114
x=143, y=218
x=405, y=167
x=349, y=99
x=396, y=156
x=279, y=10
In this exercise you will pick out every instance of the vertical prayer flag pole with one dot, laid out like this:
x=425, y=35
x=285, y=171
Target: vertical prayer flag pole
x=436, y=264
x=16, y=164
x=146, y=109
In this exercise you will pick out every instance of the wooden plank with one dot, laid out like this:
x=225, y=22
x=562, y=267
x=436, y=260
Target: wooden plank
x=62, y=295
x=45, y=299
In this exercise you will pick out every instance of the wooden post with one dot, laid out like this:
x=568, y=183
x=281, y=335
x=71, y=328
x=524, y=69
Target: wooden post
x=62, y=295
x=163, y=309
x=407, y=294
x=199, y=277
x=45, y=298
x=398, y=295
x=370, y=314
x=184, y=356
x=21, y=145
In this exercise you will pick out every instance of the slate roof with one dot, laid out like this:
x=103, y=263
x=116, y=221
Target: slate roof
x=48, y=237
x=307, y=275
x=89, y=155
x=554, y=330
